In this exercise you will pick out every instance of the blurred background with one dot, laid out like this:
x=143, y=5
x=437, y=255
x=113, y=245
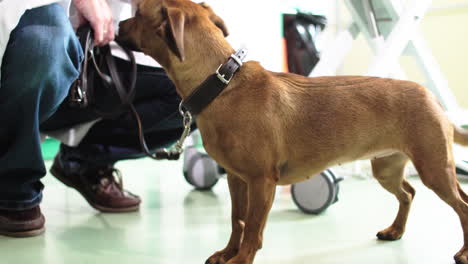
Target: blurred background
x=257, y=25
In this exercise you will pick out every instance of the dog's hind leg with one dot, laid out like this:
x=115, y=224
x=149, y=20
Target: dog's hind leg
x=238, y=191
x=261, y=192
x=462, y=193
x=437, y=171
x=389, y=172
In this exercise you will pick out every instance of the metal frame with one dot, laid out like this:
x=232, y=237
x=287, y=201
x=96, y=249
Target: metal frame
x=391, y=30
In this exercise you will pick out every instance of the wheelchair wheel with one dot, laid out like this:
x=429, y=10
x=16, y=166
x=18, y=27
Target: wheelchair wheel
x=200, y=170
x=316, y=194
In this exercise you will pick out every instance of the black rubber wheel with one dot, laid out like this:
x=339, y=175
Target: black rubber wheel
x=199, y=169
x=316, y=194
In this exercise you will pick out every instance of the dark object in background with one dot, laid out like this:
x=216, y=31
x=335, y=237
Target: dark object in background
x=300, y=30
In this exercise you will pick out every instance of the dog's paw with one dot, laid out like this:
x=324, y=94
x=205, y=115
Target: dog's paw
x=220, y=257
x=390, y=234
x=210, y=261
x=215, y=261
x=239, y=260
x=462, y=256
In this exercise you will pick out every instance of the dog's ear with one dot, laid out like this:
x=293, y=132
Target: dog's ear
x=171, y=30
x=216, y=19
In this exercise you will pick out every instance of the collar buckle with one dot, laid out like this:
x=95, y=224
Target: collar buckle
x=221, y=76
x=214, y=84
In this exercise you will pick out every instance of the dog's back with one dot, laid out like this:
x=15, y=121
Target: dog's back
x=323, y=121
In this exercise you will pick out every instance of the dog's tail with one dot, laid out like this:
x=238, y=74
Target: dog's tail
x=460, y=136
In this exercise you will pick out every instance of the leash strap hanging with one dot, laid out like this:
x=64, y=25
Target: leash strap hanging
x=194, y=104
x=82, y=89
x=169, y=154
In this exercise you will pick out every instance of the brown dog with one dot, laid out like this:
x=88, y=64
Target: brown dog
x=269, y=129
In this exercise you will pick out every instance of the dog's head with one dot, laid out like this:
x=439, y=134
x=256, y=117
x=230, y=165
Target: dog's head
x=162, y=28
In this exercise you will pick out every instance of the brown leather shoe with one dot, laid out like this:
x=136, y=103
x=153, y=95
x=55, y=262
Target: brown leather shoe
x=24, y=223
x=101, y=187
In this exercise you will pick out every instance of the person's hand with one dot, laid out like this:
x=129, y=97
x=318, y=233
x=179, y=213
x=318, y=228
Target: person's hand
x=99, y=15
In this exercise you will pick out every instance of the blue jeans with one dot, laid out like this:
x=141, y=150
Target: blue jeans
x=41, y=61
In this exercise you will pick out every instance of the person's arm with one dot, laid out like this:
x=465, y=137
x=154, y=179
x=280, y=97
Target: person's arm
x=99, y=16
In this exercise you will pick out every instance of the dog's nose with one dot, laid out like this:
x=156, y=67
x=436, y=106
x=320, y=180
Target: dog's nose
x=125, y=26
x=121, y=27
x=122, y=23
x=124, y=36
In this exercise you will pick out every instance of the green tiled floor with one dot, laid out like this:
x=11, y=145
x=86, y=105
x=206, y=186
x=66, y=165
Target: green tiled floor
x=178, y=225
x=49, y=148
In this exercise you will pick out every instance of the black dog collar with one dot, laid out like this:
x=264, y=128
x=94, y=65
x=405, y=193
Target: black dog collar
x=204, y=94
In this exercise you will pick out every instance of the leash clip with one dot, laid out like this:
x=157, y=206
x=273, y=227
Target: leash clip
x=174, y=153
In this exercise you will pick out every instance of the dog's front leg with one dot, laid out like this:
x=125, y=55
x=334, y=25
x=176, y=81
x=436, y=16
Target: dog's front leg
x=238, y=191
x=261, y=192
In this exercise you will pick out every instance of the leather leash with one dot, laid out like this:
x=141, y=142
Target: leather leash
x=83, y=88
x=201, y=97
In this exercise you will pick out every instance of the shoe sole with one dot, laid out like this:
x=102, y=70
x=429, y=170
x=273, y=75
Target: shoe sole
x=57, y=174
x=24, y=234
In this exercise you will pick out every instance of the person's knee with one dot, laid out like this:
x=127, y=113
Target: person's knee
x=53, y=49
x=44, y=56
x=42, y=59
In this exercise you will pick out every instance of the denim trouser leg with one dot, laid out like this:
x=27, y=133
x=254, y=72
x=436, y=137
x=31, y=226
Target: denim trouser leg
x=41, y=61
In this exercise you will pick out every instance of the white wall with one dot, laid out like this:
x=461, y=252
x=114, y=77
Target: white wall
x=257, y=25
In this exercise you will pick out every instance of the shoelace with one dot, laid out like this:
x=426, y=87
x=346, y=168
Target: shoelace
x=109, y=176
